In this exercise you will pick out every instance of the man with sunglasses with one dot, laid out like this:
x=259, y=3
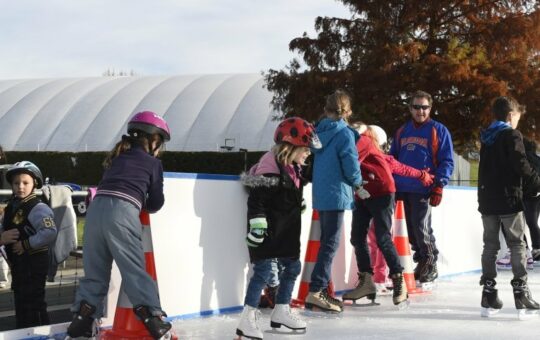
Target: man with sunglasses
x=422, y=143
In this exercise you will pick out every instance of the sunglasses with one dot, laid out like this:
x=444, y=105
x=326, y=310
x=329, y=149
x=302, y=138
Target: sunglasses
x=418, y=107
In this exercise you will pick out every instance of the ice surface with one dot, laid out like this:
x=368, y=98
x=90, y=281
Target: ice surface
x=450, y=311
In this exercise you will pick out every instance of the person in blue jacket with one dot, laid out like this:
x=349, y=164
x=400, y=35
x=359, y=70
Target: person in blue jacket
x=336, y=172
x=422, y=143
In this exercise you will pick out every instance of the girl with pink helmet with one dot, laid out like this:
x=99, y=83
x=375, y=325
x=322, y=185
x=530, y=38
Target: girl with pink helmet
x=132, y=181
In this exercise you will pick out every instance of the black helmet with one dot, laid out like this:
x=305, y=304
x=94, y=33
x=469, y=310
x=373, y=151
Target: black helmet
x=25, y=167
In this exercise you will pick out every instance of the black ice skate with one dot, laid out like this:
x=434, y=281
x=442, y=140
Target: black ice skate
x=427, y=276
x=491, y=304
x=525, y=304
x=83, y=324
x=156, y=325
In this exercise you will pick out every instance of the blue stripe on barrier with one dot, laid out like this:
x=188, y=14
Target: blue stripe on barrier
x=201, y=176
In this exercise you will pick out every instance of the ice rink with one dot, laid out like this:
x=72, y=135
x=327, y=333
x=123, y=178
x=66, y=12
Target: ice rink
x=450, y=311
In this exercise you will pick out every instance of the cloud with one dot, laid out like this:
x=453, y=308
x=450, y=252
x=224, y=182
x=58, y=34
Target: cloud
x=65, y=38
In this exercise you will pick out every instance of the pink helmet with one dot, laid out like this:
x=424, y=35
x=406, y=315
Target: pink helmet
x=149, y=122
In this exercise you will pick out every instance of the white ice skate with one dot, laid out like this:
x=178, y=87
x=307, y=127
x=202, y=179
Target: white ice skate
x=283, y=316
x=248, y=327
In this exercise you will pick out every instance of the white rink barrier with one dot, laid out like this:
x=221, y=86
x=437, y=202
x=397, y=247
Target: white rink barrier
x=202, y=260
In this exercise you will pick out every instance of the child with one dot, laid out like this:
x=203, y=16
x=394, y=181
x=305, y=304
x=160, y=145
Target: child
x=500, y=203
x=377, y=169
x=336, y=173
x=274, y=209
x=27, y=231
x=133, y=180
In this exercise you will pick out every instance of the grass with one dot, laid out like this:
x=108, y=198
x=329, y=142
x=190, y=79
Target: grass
x=80, y=230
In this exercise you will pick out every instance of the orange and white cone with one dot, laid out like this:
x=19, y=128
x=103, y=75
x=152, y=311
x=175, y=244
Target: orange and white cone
x=312, y=251
x=126, y=325
x=403, y=248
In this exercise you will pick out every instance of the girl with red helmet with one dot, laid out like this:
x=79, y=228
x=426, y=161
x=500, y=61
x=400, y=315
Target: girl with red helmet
x=27, y=231
x=275, y=186
x=133, y=180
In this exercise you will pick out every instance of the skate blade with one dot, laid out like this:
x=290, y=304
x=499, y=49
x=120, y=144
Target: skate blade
x=354, y=303
x=321, y=313
x=487, y=312
x=404, y=305
x=527, y=314
x=241, y=336
x=426, y=286
x=287, y=331
x=504, y=267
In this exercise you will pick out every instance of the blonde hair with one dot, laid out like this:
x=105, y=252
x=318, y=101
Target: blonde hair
x=286, y=153
x=338, y=105
x=127, y=143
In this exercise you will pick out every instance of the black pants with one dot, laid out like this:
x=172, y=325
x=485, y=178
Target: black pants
x=531, y=212
x=29, y=273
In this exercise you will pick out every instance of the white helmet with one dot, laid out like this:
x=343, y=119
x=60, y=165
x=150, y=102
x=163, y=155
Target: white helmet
x=379, y=132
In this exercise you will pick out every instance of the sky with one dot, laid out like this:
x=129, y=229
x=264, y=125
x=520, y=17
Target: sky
x=85, y=38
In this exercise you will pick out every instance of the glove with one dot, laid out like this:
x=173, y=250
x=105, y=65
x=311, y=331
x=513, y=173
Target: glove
x=436, y=196
x=257, y=231
x=303, y=207
x=426, y=178
x=361, y=192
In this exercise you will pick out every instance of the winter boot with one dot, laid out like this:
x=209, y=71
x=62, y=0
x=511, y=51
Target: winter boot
x=491, y=303
x=282, y=316
x=324, y=301
x=400, y=293
x=83, y=324
x=268, y=299
x=429, y=273
x=522, y=296
x=365, y=287
x=248, y=326
x=155, y=324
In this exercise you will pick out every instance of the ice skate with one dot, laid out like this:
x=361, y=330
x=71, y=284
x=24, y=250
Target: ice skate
x=268, y=299
x=491, y=304
x=525, y=304
x=383, y=289
x=155, y=324
x=323, y=301
x=530, y=260
x=83, y=325
x=427, y=277
x=504, y=262
x=364, y=288
x=283, y=316
x=535, y=253
x=248, y=327
x=400, y=296
x=418, y=269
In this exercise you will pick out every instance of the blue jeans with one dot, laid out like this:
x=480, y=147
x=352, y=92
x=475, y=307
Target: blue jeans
x=262, y=273
x=331, y=222
x=381, y=209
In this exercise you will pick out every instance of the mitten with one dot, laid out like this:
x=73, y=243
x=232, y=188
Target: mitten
x=436, y=196
x=426, y=178
x=361, y=192
x=257, y=231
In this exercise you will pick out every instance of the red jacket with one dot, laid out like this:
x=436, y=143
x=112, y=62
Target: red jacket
x=377, y=168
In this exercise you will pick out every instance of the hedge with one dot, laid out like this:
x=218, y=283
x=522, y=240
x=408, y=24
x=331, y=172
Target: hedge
x=85, y=167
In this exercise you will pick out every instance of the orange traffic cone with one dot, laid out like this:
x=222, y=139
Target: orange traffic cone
x=312, y=252
x=403, y=248
x=126, y=325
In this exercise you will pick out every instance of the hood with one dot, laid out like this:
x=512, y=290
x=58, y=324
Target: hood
x=327, y=128
x=255, y=176
x=489, y=135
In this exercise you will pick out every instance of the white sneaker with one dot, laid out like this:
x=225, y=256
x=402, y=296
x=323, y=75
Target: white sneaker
x=282, y=316
x=248, y=326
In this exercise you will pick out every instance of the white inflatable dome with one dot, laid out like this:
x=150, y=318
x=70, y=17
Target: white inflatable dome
x=204, y=112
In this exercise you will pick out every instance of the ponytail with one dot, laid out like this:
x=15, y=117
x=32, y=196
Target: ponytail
x=338, y=105
x=128, y=141
x=122, y=146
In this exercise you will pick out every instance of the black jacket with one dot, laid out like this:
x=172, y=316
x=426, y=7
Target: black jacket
x=275, y=197
x=502, y=170
x=534, y=161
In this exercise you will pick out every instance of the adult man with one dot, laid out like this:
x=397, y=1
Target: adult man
x=422, y=143
x=502, y=170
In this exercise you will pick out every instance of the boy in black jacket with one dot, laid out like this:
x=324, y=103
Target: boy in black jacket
x=502, y=169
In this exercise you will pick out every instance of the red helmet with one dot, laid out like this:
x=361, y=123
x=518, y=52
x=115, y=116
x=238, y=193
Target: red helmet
x=149, y=122
x=297, y=132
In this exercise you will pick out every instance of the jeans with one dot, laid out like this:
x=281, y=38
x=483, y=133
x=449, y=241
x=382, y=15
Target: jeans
x=262, y=272
x=381, y=209
x=331, y=223
x=513, y=225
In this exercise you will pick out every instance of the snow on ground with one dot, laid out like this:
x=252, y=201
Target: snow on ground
x=450, y=311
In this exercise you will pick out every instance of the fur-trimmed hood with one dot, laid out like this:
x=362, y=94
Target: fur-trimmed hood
x=254, y=181
x=266, y=166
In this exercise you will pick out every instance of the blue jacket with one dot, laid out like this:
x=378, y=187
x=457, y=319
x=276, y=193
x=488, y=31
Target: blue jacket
x=336, y=169
x=426, y=146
